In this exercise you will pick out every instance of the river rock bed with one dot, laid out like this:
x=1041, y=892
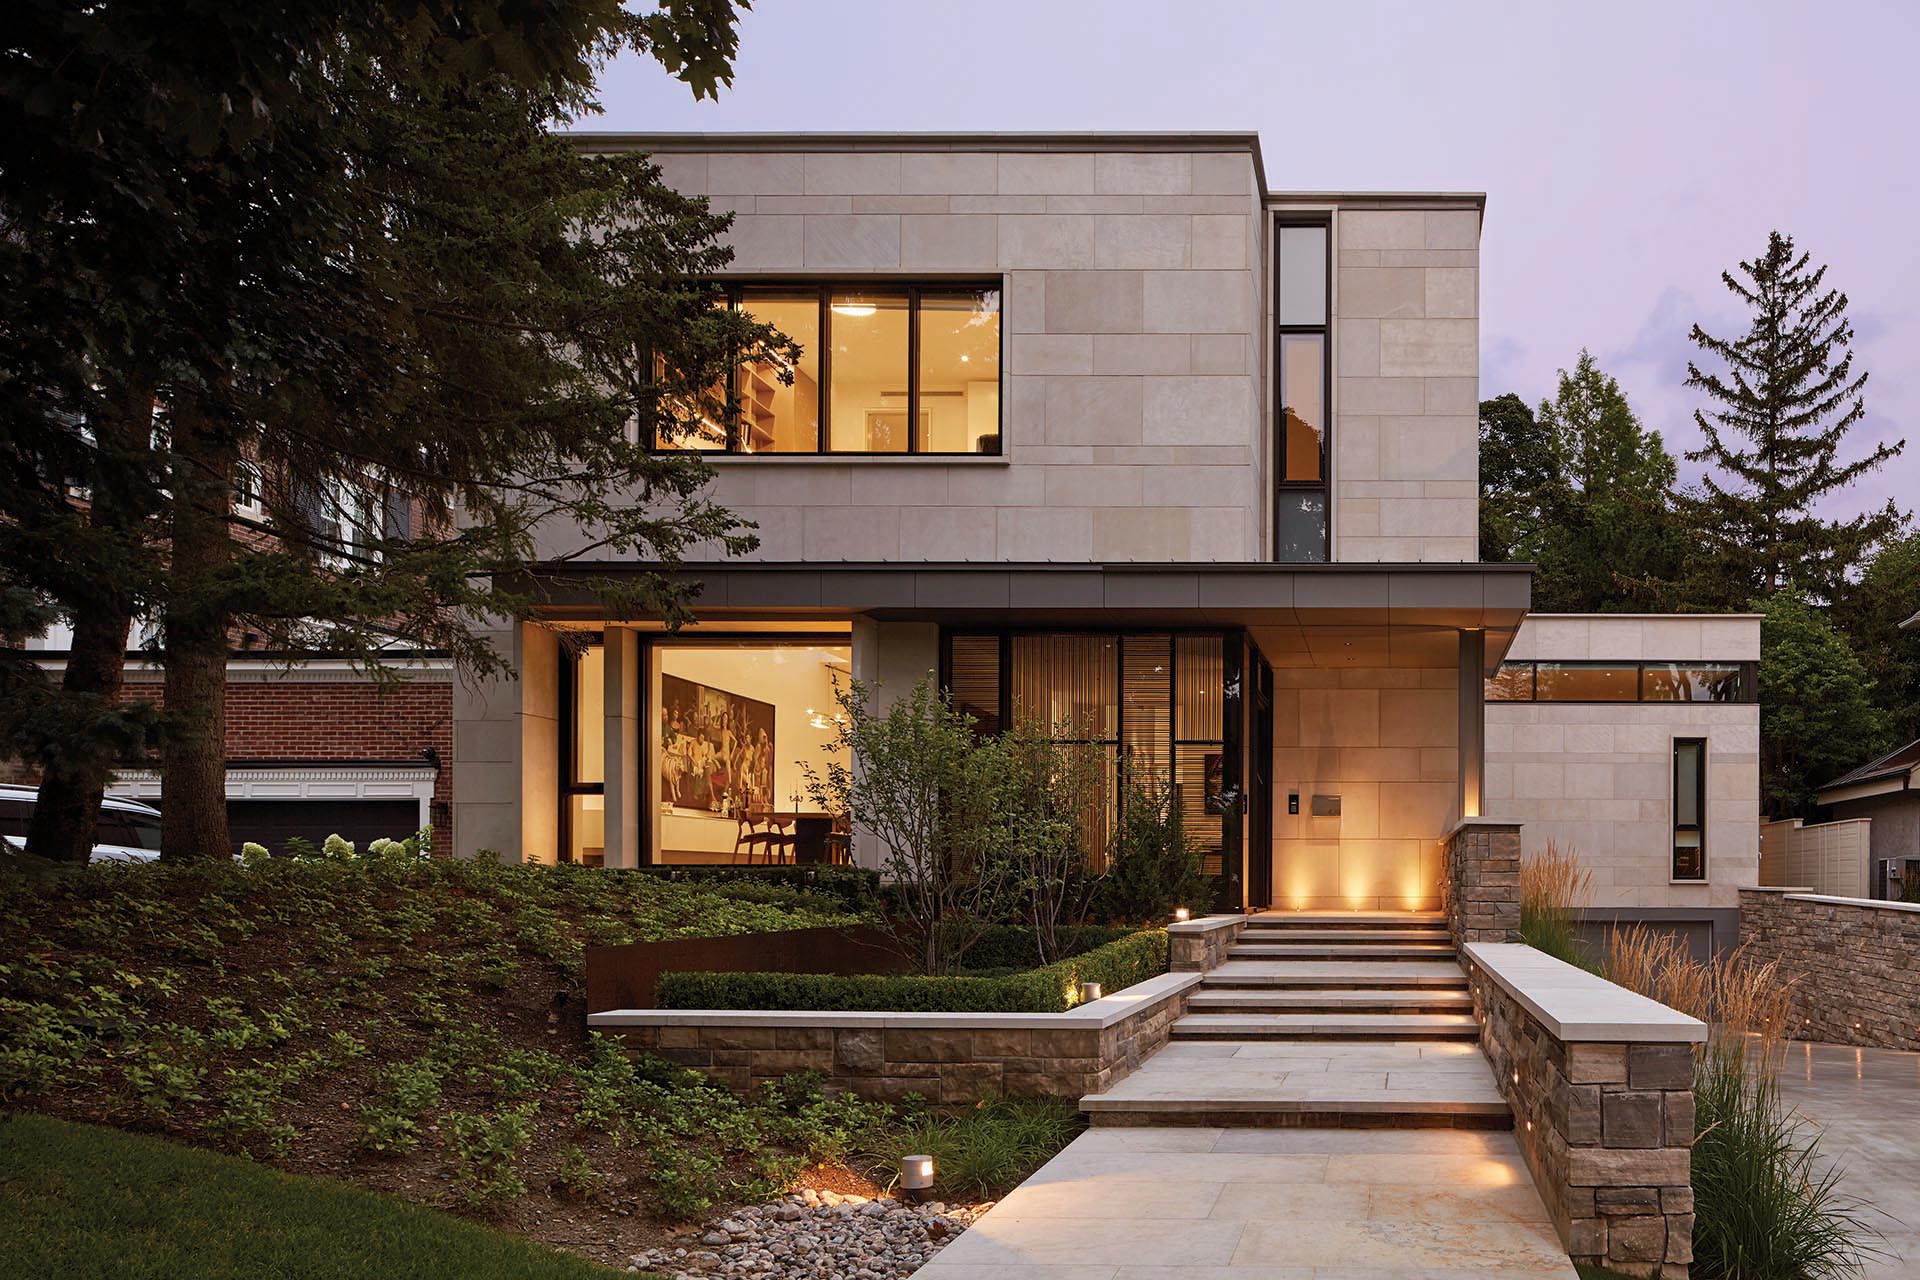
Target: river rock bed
x=815, y=1235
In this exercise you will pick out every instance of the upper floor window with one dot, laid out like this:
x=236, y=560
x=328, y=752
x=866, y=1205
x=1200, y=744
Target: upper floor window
x=883, y=368
x=1623, y=682
x=1301, y=309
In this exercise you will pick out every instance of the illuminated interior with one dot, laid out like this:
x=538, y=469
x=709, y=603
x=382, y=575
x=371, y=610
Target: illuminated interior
x=732, y=729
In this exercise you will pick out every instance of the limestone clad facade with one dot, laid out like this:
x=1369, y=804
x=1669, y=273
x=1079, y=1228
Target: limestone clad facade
x=1219, y=410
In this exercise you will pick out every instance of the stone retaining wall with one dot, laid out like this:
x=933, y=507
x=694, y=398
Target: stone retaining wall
x=1856, y=964
x=1482, y=881
x=948, y=1058
x=1606, y=1127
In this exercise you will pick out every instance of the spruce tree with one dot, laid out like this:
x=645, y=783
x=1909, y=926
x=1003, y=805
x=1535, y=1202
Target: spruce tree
x=1782, y=408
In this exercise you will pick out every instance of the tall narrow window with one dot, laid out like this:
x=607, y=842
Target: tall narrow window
x=868, y=394
x=959, y=344
x=780, y=402
x=1689, y=809
x=583, y=746
x=1300, y=445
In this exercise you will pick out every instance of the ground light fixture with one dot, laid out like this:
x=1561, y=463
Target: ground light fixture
x=916, y=1177
x=1181, y=915
x=1089, y=991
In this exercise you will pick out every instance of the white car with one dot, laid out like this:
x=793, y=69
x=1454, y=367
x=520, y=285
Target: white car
x=127, y=831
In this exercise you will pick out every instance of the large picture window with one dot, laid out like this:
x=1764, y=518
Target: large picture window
x=1301, y=293
x=883, y=369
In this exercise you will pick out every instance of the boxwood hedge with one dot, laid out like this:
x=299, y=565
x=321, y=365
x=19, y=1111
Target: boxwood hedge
x=1050, y=988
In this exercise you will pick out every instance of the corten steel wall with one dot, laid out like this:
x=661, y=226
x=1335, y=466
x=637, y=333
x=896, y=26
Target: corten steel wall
x=1855, y=966
x=625, y=976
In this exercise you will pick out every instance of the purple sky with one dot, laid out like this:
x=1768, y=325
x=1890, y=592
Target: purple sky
x=1629, y=151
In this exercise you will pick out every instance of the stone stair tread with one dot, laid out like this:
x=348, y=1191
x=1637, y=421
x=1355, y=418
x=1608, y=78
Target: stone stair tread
x=1288, y=949
x=1308, y=933
x=1335, y=974
x=1435, y=918
x=1323, y=1025
x=1294, y=998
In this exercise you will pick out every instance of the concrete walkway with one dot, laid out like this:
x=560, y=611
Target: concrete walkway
x=1195, y=1203
x=1866, y=1104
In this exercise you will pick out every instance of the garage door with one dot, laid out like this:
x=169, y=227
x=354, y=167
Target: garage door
x=273, y=822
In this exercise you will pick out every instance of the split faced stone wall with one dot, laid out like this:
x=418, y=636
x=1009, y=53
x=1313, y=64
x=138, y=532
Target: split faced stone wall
x=1606, y=1127
x=1482, y=882
x=1197, y=945
x=1855, y=964
x=948, y=1058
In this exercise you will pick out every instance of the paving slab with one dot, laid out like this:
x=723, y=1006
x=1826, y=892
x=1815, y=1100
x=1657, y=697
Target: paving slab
x=1310, y=1204
x=1863, y=1102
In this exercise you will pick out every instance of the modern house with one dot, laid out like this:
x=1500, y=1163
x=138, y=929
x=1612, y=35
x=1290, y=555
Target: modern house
x=1104, y=428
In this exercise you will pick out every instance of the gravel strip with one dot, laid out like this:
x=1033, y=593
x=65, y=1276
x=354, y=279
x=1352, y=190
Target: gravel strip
x=815, y=1235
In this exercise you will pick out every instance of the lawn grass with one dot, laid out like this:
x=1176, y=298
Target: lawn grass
x=82, y=1202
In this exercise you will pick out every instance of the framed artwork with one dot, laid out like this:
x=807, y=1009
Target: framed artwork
x=716, y=748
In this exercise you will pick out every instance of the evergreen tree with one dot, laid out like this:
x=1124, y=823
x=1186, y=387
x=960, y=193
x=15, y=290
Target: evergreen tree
x=1817, y=714
x=1583, y=491
x=1783, y=404
x=345, y=242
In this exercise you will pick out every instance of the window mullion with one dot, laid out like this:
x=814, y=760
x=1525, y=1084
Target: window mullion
x=913, y=370
x=823, y=433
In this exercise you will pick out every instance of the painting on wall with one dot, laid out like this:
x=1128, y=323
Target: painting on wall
x=716, y=749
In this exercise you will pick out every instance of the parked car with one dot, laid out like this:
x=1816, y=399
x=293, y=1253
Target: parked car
x=128, y=831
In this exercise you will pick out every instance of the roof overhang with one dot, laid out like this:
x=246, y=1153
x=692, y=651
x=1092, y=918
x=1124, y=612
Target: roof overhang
x=1277, y=598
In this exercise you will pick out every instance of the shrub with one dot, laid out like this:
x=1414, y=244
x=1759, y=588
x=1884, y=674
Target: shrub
x=855, y=887
x=484, y=1149
x=982, y=1152
x=1049, y=989
x=1153, y=866
x=254, y=855
x=1554, y=888
x=1010, y=946
x=1047, y=788
x=1766, y=1206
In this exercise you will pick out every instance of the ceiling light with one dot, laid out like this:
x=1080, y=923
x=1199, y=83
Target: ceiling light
x=966, y=359
x=858, y=310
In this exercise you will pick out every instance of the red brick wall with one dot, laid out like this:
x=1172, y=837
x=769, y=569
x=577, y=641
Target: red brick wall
x=291, y=720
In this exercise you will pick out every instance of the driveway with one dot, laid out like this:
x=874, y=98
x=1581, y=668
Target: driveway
x=1866, y=1104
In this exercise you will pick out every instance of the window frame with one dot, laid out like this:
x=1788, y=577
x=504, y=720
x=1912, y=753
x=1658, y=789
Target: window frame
x=566, y=682
x=1700, y=811
x=1324, y=331
x=732, y=288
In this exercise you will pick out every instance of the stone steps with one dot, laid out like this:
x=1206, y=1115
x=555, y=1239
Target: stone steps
x=1210, y=999
x=1308, y=933
x=1339, y=951
x=1326, y=1026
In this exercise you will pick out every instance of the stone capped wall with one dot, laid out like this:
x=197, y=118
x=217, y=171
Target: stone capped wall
x=1855, y=964
x=1606, y=1129
x=949, y=1059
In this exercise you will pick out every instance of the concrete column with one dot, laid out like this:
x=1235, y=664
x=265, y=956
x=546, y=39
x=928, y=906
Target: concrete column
x=624, y=758
x=1473, y=722
x=539, y=714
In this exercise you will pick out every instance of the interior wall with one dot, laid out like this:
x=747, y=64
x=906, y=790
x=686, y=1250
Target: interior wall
x=1386, y=741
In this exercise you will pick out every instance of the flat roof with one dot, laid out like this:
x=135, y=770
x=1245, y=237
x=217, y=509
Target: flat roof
x=1045, y=140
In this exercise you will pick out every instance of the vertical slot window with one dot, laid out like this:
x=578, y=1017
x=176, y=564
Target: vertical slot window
x=1689, y=809
x=1301, y=414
